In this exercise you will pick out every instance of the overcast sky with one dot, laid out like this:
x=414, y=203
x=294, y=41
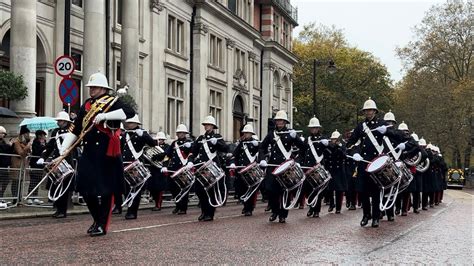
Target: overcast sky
x=377, y=26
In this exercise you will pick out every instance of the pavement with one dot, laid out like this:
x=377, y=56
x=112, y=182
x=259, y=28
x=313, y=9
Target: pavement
x=441, y=235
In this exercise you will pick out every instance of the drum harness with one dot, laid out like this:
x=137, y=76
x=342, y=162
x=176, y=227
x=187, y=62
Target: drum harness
x=246, y=196
x=318, y=158
x=220, y=200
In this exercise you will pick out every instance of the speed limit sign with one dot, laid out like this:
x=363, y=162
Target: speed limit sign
x=64, y=66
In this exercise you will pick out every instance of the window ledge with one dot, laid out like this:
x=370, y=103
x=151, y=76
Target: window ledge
x=169, y=51
x=216, y=68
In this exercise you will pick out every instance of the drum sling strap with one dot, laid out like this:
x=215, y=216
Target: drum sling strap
x=277, y=139
x=249, y=156
x=135, y=154
x=395, y=154
x=371, y=136
x=313, y=151
x=183, y=160
x=209, y=154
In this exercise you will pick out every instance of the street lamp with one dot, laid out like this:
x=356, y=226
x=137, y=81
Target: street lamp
x=330, y=67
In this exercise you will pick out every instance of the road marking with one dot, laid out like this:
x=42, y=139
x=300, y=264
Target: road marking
x=169, y=224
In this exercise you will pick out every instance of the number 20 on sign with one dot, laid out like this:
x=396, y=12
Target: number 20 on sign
x=64, y=66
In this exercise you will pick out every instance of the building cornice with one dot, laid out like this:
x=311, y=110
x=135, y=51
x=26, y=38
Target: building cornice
x=282, y=51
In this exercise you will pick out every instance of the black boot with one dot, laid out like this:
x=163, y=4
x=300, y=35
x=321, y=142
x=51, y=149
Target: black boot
x=310, y=213
x=282, y=220
x=91, y=228
x=201, y=217
x=99, y=230
x=365, y=221
x=130, y=216
x=273, y=217
x=375, y=223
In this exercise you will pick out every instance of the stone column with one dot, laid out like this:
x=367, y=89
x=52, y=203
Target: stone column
x=228, y=127
x=23, y=52
x=267, y=95
x=129, y=45
x=290, y=101
x=94, y=41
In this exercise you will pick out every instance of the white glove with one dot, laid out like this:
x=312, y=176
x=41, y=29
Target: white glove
x=139, y=132
x=401, y=146
x=255, y=143
x=298, y=164
x=69, y=139
x=232, y=166
x=263, y=163
x=187, y=145
x=40, y=161
x=190, y=165
x=302, y=138
x=114, y=115
x=292, y=133
x=381, y=129
x=164, y=170
x=357, y=157
x=213, y=141
x=325, y=142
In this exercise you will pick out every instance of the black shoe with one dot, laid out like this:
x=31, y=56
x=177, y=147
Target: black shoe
x=243, y=211
x=181, y=212
x=55, y=214
x=404, y=213
x=375, y=223
x=273, y=217
x=424, y=208
x=248, y=213
x=282, y=220
x=316, y=215
x=130, y=216
x=390, y=218
x=268, y=208
x=416, y=211
x=91, y=228
x=431, y=206
x=117, y=211
x=397, y=212
x=310, y=213
x=437, y=203
x=208, y=218
x=175, y=211
x=347, y=205
x=156, y=209
x=365, y=221
x=98, y=231
x=201, y=217
x=331, y=208
x=338, y=211
x=352, y=208
x=59, y=215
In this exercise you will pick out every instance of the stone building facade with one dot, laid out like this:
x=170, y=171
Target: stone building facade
x=182, y=59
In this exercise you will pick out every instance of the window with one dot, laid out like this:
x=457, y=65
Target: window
x=175, y=35
x=232, y=5
x=239, y=60
x=256, y=75
x=175, y=105
x=215, y=105
x=77, y=3
x=117, y=74
x=276, y=85
x=77, y=56
x=118, y=8
x=286, y=35
x=215, y=51
x=256, y=115
x=276, y=27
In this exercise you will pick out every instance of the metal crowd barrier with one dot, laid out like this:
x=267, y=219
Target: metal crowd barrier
x=10, y=181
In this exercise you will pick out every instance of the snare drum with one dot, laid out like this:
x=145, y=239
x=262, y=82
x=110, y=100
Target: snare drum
x=317, y=176
x=136, y=173
x=209, y=174
x=384, y=171
x=183, y=178
x=61, y=172
x=252, y=174
x=406, y=178
x=289, y=175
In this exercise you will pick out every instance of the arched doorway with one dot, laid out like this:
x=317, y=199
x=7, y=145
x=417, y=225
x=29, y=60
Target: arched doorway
x=238, y=117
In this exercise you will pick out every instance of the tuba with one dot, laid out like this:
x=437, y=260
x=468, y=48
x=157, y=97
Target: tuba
x=149, y=153
x=423, y=166
x=413, y=160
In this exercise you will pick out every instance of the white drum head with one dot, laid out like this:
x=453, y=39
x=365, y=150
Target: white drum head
x=282, y=167
x=378, y=163
x=180, y=171
x=248, y=167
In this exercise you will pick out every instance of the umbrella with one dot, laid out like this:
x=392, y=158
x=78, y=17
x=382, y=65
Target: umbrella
x=39, y=123
x=5, y=112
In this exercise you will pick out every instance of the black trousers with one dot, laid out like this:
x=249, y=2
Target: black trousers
x=371, y=208
x=183, y=203
x=100, y=208
x=206, y=208
x=61, y=203
x=424, y=199
x=133, y=209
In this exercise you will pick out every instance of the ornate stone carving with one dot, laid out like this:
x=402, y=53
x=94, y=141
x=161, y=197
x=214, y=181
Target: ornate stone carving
x=240, y=80
x=252, y=56
x=156, y=6
x=201, y=28
x=270, y=65
x=230, y=43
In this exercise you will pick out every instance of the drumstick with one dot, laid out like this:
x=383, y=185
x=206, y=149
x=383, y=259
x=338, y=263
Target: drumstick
x=376, y=128
x=286, y=132
x=204, y=140
x=365, y=161
x=317, y=141
x=237, y=166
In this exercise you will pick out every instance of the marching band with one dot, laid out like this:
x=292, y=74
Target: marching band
x=378, y=164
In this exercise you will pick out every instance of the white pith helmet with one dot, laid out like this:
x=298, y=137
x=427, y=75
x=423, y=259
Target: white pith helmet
x=98, y=80
x=389, y=116
x=248, y=129
x=403, y=126
x=210, y=120
x=63, y=116
x=369, y=104
x=182, y=128
x=133, y=119
x=314, y=122
x=335, y=134
x=281, y=115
